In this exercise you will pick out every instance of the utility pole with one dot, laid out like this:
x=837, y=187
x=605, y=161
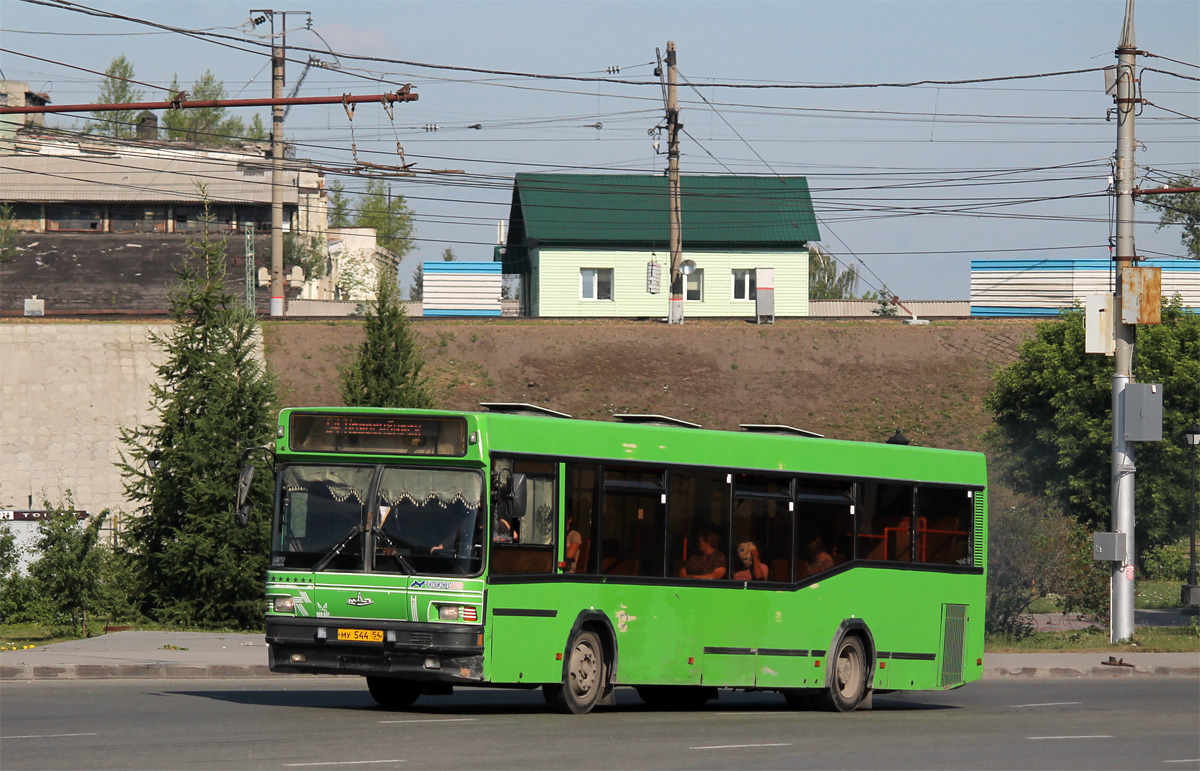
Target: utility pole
x=278, y=58
x=277, y=298
x=1123, y=469
x=675, y=214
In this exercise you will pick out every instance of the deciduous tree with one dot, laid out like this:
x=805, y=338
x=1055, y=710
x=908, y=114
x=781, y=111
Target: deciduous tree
x=208, y=125
x=1053, y=416
x=1181, y=209
x=827, y=279
x=389, y=215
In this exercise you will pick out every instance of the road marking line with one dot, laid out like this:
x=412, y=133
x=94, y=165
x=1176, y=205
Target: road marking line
x=432, y=720
x=46, y=736
x=1186, y=760
x=1098, y=736
x=736, y=746
x=1047, y=704
x=342, y=763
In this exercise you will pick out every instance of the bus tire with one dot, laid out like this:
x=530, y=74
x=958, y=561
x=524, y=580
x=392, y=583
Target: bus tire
x=847, y=675
x=393, y=693
x=676, y=697
x=584, y=680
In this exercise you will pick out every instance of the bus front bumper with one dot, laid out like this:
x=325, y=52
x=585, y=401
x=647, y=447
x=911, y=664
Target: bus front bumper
x=451, y=653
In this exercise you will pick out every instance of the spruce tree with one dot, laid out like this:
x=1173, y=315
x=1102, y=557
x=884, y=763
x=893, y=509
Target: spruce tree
x=386, y=371
x=213, y=397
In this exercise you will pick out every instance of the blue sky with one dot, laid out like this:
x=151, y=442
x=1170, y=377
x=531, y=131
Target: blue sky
x=914, y=182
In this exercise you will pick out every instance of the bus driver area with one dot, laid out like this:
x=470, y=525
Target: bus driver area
x=521, y=548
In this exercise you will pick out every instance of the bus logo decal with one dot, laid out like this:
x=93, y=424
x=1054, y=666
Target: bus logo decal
x=360, y=601
x=444, y=585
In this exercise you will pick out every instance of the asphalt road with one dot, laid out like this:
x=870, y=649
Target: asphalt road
x=319, y=723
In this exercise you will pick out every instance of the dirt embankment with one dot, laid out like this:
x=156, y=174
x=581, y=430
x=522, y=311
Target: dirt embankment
x=845, y=379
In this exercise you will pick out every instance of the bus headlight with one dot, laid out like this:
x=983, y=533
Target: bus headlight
x=284, y=605
x=458, y=613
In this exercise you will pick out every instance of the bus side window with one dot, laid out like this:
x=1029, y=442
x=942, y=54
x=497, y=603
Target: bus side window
x=523, y=541
x=944, y=518
x=824, y=527
x=885, y=522
x=580, y=517
x=697, y=502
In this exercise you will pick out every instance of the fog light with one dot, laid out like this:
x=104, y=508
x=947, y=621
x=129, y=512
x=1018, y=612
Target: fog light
x=432, y=663
x=299, y=658
x=285, y=605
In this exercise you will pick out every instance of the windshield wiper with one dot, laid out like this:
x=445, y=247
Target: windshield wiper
x=403, y=563
x=337, y=549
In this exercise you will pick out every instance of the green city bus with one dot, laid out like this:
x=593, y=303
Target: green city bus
x=518, y=547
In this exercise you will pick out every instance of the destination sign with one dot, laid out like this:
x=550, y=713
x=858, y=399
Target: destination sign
x=378, y=434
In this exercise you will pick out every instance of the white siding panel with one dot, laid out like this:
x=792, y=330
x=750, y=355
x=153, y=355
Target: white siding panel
x=558, y=283
x=462, y=291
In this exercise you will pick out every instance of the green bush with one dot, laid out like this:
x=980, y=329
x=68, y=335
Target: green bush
x=1030, y=547
x=1168, y=562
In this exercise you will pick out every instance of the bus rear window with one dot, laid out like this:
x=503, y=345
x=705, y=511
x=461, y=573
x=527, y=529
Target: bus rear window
x=378, y=435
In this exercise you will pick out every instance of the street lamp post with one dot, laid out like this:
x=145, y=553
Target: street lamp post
x=1191, y=592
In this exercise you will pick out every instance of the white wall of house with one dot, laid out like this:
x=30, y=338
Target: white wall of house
x=557, y=282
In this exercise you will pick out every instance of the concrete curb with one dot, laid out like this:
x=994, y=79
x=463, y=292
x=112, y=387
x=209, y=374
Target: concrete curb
x=135, y=672
x=1100, y=671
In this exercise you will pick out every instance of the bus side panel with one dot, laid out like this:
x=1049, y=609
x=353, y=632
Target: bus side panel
x=527, y=629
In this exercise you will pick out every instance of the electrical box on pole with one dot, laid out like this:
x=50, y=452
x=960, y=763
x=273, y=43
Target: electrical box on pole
x=1143, y=412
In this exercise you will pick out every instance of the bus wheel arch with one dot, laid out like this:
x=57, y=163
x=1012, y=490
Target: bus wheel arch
x=591, y=636
x=850, y=666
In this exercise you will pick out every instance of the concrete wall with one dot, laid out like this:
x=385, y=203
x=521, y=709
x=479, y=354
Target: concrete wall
x=65, y=390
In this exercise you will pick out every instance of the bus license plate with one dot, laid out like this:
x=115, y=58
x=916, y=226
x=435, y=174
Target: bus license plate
x=361, y=635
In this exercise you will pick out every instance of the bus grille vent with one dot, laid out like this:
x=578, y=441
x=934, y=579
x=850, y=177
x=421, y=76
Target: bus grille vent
x=978, y=548
x=421, y=639
x=954, y=626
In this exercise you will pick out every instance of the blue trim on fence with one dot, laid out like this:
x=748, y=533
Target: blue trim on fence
x=443, y=312
x=1182, y=266
x=462, y=267
x=997, y=311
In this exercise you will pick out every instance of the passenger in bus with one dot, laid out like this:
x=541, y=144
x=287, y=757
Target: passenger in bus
x=819, y=560
x=753, y=568
x=574, y=543
x=706, y=561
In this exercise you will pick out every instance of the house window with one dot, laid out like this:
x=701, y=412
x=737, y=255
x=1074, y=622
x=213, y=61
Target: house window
x=694, y=288
x=745, y=284
x=595, y=283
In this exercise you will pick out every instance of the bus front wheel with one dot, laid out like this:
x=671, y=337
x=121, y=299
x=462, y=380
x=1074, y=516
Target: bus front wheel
x=391, y=693
x=583, y=677
x=848, y=680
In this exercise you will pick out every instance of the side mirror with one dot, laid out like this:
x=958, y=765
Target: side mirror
x=241, y=514
x=518, y=493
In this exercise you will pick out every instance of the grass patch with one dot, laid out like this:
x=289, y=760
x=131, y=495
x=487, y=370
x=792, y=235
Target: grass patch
x=22, y=636
x=1149, y=594
x=1157, y=594
x=1095, y=640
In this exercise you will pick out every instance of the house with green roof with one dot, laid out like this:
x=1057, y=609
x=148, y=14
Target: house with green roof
x=593, y=245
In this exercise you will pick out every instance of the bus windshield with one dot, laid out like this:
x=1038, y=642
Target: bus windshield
x=406, y=520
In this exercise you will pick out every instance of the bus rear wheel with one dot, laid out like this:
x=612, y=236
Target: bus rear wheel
x=848, y=678
x=392, y=693
x=583, y=678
